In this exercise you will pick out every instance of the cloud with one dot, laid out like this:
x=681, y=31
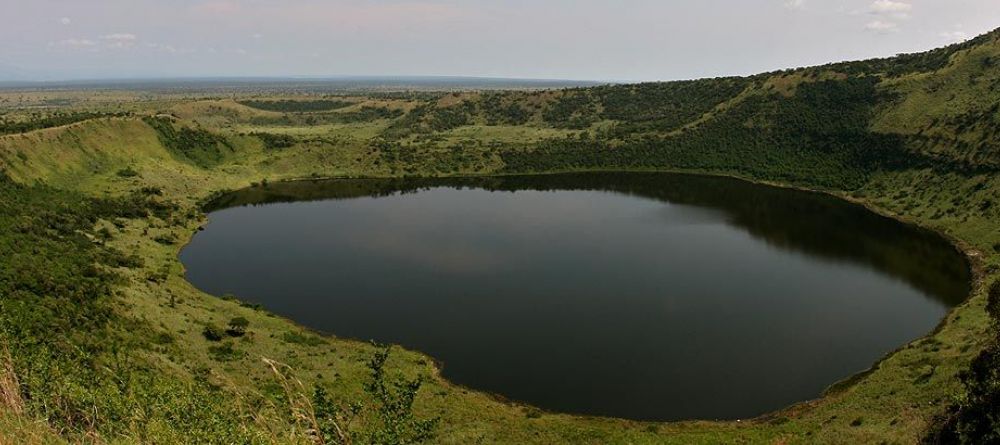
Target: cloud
x=795, y=4
x=120, y=37
x=352, y=14
x=889, y=11
x=120, y=40
x=896, y=9
x=165, y=48
x=218, y=8
x=65, y=20
x=955, y=36
x=75, y=43
x=890, y=7
x=882, y=27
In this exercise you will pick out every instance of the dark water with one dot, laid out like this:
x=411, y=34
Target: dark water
x=644, y=296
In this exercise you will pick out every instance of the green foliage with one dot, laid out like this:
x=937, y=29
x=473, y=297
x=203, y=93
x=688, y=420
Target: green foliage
x=225, y=352
x=575, y=109
x=974, y=419
x=333, y=421
x=165, y=239
x=364, y=114
x=903, y=64
x=79, y=363
x=237, y=327
x=396, y=423
x=497, y=112
x=301, y=339
x=388, y=420
x=273, y=141
x=127, y=172
x=430, y=118
x=39, y=121
x=296, y=106
x=212, y=333
x=116, y=258
x=820, y=136
x=200, y=147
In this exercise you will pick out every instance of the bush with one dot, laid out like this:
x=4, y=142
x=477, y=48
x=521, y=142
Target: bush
x=301, y=339
x=212, y=333
x=275, y=141
x=166, y=240
x=974, y=419
x=237, y=327
x=127, y=172
x=225, y=352
x=389, y=418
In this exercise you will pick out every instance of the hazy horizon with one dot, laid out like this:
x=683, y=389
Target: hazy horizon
x=633, y=40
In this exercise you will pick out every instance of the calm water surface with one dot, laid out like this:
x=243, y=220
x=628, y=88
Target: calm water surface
x=644, y=296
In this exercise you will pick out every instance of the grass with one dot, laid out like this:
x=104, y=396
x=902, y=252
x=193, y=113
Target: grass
x=895, y=402
x=892, y=405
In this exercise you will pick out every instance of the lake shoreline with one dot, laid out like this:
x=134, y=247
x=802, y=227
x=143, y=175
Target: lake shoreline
x=969, y=255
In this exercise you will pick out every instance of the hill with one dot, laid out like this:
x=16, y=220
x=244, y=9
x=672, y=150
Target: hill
x=105, y=341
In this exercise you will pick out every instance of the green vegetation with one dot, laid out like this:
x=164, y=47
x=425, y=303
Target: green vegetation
x=973, y=419
x=198, y=146
x=38, y=121
x=78, y=362
x=107, y=342
x=275, y=141
x=299, y=106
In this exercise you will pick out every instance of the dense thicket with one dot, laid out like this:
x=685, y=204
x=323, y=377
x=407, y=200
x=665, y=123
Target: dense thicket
x=38, y=122
x=362, y=114
x=274, y=141
x=819, y=136
x=300, y=106
x=198, y=146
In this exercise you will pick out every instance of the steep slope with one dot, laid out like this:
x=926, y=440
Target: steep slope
x=95, y=212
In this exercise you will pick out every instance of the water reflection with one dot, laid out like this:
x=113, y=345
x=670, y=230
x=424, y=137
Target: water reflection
x=787, y=219
x=646, y=296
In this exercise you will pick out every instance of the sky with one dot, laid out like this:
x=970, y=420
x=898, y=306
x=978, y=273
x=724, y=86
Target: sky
x=623, y=40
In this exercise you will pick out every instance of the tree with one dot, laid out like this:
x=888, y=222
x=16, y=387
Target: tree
x=237, y=327
x=212, y=333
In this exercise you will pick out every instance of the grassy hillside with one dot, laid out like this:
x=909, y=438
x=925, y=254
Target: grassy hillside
x=105, y=341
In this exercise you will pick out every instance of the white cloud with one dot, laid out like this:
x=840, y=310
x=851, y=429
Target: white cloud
x=120, y=40
x=795, y=4
x=120, y=37
x=75, y=43
x=258, y=36
x=882, y=27
x=241, y=51
x=898, y=10
x=891, y=7
x=163, y=47
x=65, y=20
x=955, y=36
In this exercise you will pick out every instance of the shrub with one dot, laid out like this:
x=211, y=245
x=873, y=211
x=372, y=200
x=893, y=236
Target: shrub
x=127, y=172
x=212, y=333
x=388, y=419
x=301, y=339
x=237, y=327
x=166, y=240
x=225, y=352
x=273, y=141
